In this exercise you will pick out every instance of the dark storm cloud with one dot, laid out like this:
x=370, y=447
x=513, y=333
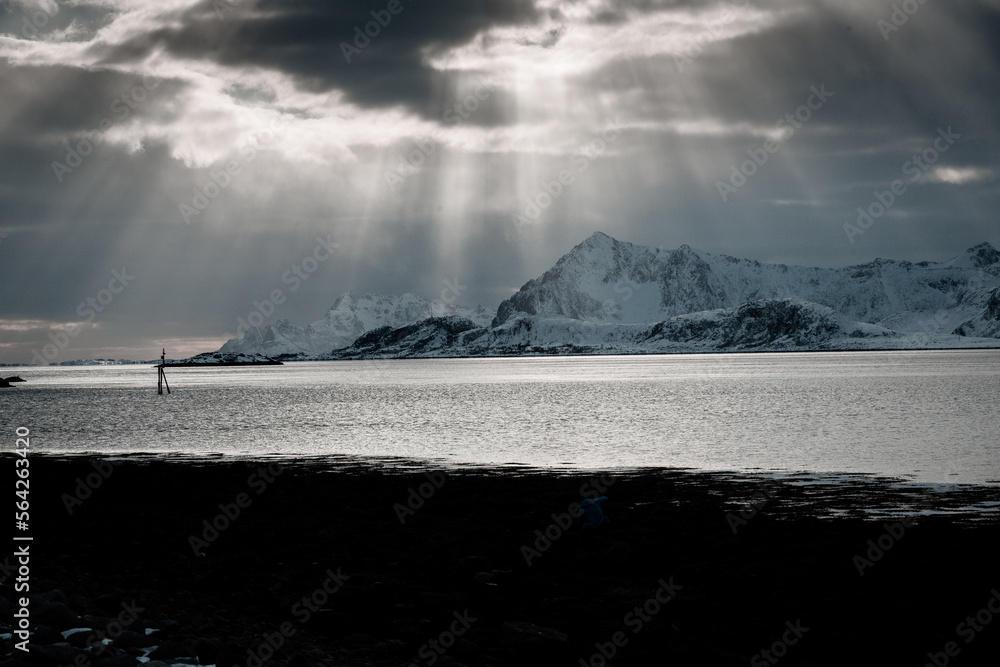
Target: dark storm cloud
x=51, y=111
x=307, y=41
x=948, y=66
x=943, y=62
x=889, y=98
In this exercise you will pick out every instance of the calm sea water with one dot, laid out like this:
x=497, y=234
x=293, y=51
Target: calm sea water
x=926, y=416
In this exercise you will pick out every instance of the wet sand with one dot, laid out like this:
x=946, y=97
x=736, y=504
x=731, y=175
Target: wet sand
x=337, y=563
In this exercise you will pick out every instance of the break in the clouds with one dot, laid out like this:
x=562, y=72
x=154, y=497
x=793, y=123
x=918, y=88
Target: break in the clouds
x=201, y=150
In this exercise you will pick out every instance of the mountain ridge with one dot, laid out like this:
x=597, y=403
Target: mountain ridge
x=757, y=326
x=652, y=284
x=350, y=316
x=611, y=296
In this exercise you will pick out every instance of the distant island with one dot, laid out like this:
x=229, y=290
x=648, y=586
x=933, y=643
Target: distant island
x=103, y=362
x=221, y=359
x=204, y=359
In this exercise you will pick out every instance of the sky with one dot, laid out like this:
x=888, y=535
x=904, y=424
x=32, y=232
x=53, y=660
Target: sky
x=167, y=167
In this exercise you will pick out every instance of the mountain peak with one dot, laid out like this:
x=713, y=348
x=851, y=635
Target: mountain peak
x=346, y=300
x=598, y=240
x=983, y=254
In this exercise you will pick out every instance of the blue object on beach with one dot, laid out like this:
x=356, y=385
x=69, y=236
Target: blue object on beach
x=592, y=512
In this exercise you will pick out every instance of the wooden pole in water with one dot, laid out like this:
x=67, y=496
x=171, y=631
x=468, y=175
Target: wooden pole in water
x=161, y=378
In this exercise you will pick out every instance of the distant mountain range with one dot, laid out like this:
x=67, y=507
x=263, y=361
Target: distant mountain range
x=611, y=297
x=349, y=317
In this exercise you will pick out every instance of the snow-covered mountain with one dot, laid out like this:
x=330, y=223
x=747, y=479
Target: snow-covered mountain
x=605, y=280
x=607, y=296
x=763, y=325
x=349, y=317
x=612, y=297
x=987, y=322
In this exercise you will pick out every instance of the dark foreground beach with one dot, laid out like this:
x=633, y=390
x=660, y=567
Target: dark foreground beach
x=334, y=563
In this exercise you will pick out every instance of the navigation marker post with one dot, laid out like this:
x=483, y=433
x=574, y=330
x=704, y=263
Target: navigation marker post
x=161, y=378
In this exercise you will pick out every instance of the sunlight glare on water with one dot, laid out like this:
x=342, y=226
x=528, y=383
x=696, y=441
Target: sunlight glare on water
x=928, y=416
